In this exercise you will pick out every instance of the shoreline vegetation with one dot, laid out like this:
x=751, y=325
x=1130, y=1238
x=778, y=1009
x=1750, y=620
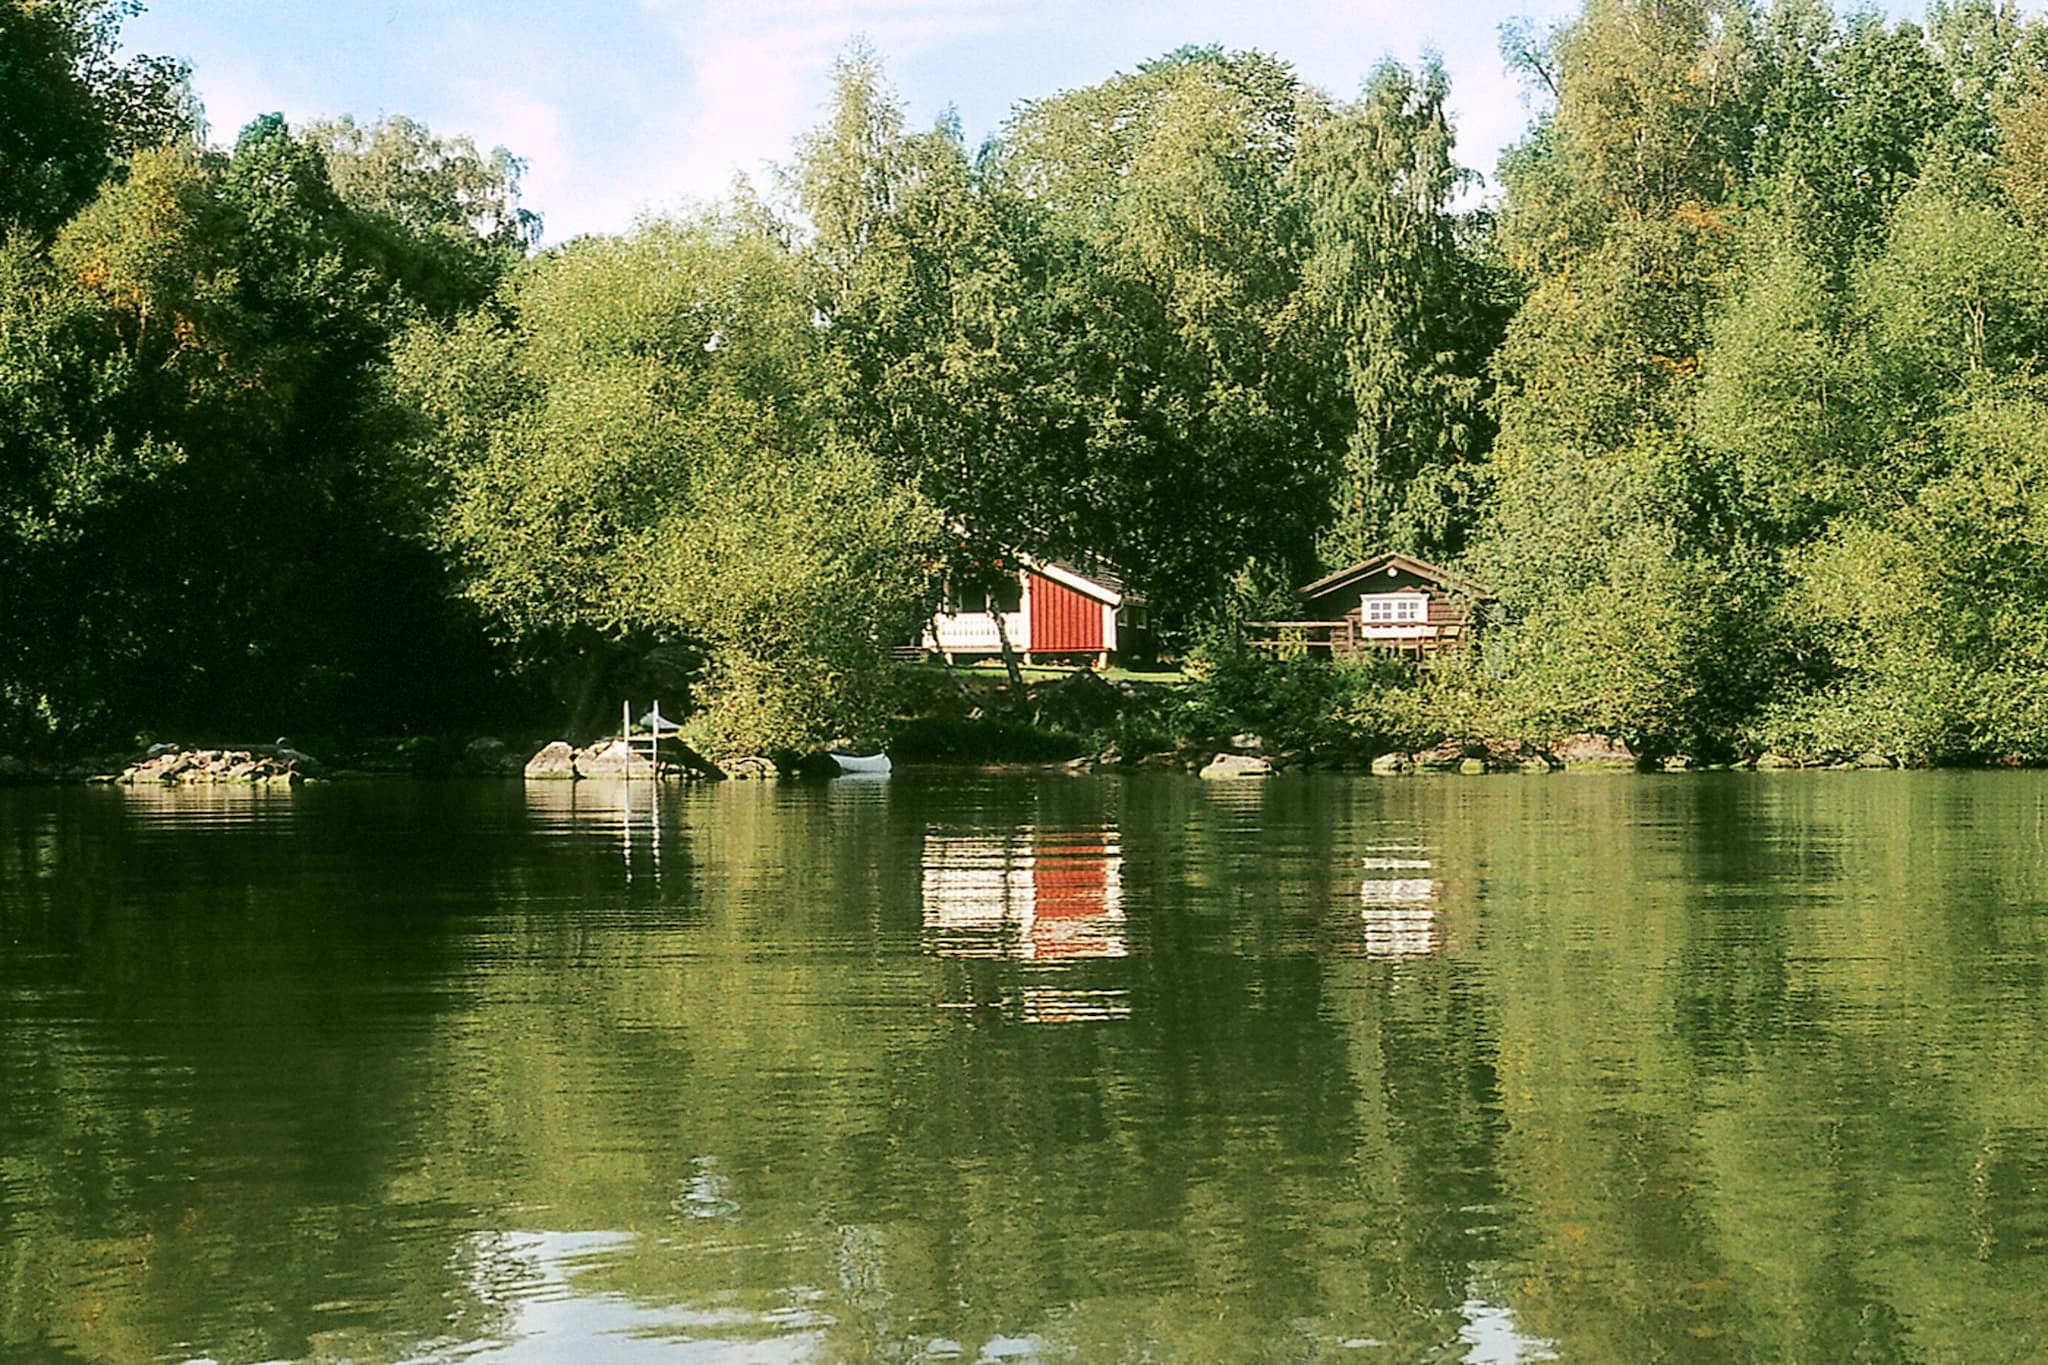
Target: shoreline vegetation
x=1077, y=721
x=1729, y=384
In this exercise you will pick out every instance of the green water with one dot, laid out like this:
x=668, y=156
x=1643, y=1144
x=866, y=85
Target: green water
x=1700, y=1068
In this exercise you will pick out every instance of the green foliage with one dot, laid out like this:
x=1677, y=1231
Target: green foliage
x=642, y=449
x=205, y=504
x=69, y=109
x=1731, y=400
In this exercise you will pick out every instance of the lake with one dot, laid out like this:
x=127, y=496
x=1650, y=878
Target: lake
x=972, y=1066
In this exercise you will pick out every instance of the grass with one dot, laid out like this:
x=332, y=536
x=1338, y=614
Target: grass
x=992, y=670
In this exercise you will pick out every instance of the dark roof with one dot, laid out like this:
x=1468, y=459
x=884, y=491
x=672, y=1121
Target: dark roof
x=1098, y=571
x=1379, y=563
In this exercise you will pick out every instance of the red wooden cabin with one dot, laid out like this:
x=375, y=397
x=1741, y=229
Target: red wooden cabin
x=1052, y=611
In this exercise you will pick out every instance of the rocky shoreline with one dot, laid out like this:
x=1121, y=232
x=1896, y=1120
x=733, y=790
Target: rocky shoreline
x=1080, y=723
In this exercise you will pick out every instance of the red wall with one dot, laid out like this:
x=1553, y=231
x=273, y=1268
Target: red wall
x=1062, y=619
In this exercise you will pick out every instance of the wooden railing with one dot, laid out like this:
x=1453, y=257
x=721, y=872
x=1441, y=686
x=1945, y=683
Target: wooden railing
x=1342, y=638
x=1336, y=636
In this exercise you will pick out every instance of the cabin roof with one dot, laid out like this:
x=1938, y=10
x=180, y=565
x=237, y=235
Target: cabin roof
x=1378, y=564
x=1095, y=578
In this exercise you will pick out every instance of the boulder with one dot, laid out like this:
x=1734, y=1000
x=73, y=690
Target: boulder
x=1472, y=767
x=1873, y=759
x=488, y=757
x=1248, y=744
x=1445, y=757
x=1514, y=755
x=1236, y=765
x=1773, y=761
x=1586, y=750
x=613, y=758
x=1392, y=765
x=556, y=762
x=752, y=768
x=208, y=767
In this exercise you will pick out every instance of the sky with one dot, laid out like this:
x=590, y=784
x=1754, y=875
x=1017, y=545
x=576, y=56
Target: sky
x=633, y=106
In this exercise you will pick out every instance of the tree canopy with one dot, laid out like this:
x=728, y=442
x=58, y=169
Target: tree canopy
x=1726, y=382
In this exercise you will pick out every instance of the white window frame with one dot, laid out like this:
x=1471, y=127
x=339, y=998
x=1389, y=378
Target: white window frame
x=1394, y=609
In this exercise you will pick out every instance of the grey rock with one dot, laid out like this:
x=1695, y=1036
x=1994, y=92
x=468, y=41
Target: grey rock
x=1445, y=757
x=1236, y=765
x=612, y=758
x=1587, y=750
x=556, y=762
x=1392, y=765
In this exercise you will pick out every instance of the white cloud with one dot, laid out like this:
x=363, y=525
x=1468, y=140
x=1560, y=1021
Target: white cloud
x=758, y=74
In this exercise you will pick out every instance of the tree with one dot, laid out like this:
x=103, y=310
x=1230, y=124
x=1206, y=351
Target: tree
x=1412, y=311
x=69, y=111
x=642, y=451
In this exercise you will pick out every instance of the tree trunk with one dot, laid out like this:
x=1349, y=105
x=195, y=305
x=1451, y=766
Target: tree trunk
x=1010, y=663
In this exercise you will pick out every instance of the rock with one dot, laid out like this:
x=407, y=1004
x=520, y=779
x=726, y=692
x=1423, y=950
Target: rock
x=612, y=758
x=1248, y=744
x=556, y=762
x=752, y=768
x=1773, y=761
x=1678, y=763
x=817, y=763
x=1586, y=750
x=207, y=767
x=1472, y=767
x=1392, y=765
x=1445, y=757
x=1162, y=759
x=488, y=757
x=1540, y=763
x=1873, y=759
x=1236, y=765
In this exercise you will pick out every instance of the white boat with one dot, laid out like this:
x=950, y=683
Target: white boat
x=873, y=765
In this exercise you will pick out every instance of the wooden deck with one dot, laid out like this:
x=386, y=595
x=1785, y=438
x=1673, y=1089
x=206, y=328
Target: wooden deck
x=1348, y=638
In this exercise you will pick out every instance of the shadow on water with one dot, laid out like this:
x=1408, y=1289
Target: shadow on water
x=976, y=1066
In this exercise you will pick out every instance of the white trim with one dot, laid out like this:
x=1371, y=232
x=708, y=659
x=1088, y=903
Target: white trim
x=1403, y=607
x=1087, y=587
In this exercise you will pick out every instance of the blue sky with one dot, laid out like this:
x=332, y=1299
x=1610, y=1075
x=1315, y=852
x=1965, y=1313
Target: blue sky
x=639, y=105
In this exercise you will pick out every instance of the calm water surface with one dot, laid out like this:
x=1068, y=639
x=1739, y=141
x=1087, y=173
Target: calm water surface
x=1723, y=1067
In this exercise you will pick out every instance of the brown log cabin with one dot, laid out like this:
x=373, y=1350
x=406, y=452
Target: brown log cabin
x=1392, y=602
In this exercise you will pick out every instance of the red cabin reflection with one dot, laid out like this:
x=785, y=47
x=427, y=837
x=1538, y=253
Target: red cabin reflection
x=1038, y=895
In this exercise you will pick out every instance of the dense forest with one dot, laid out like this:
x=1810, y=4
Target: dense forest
x=1725, y=382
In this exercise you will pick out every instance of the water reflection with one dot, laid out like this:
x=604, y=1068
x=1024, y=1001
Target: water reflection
x=1035, y=895
x=1701, y=1069
x=1399, y=909
x=1044, y=897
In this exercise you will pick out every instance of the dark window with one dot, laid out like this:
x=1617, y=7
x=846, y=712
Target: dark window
x=1006, y=597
